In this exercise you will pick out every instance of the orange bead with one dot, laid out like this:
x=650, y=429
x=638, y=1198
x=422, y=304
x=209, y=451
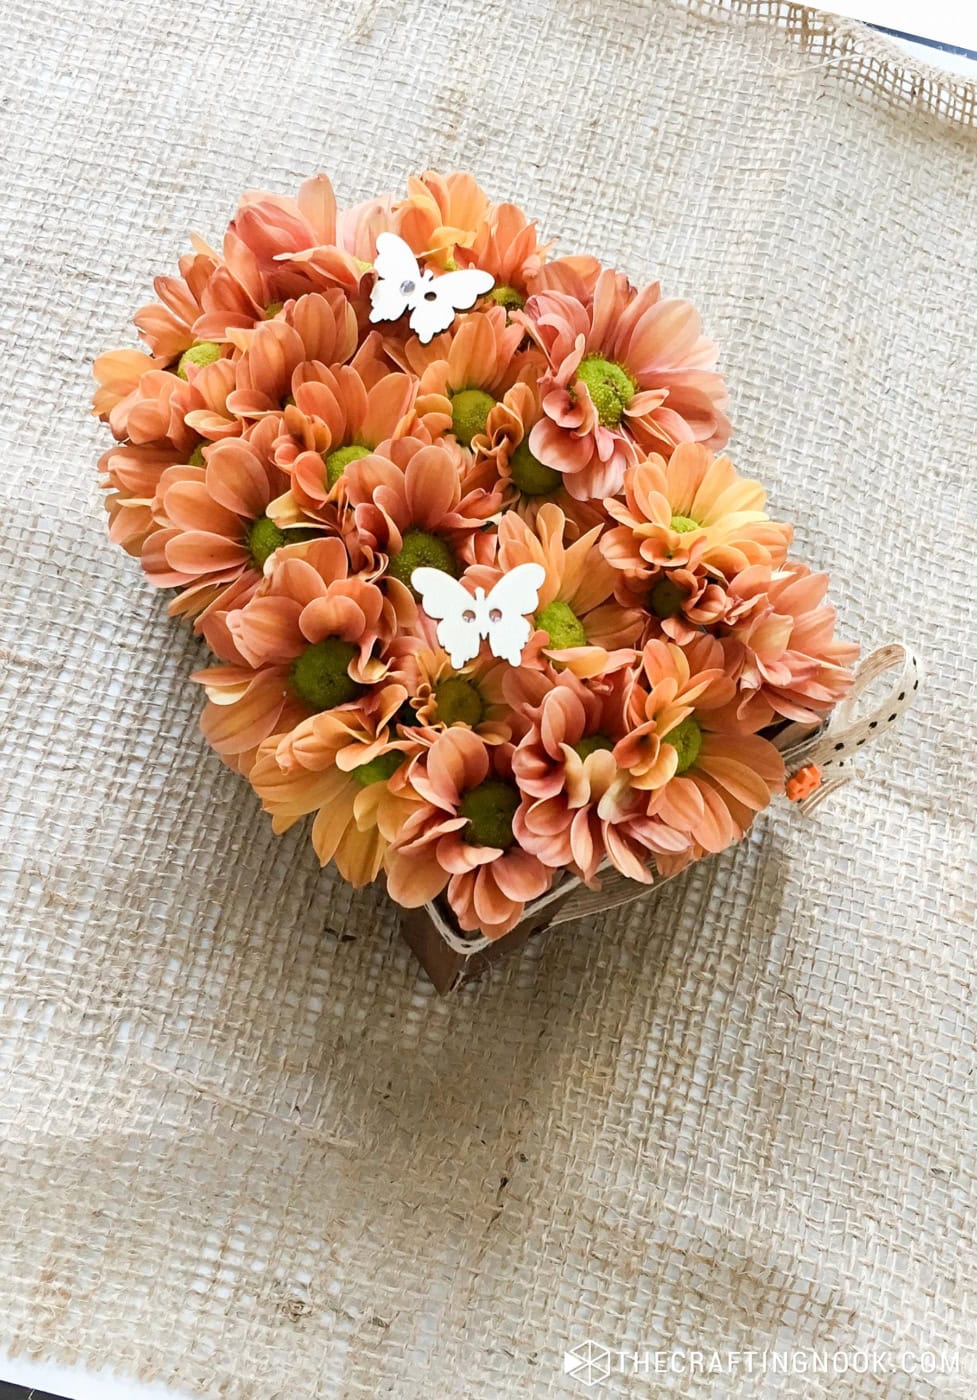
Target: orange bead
x=802, y=783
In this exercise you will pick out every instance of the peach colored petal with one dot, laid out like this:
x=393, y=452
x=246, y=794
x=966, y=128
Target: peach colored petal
x=333, y=616
x=431, y=487
x=232, y=729
x=267, y=630
x=520, y=876
x=299, y=579
x=236, y=479
x=414, y=879
x=359, y=855
x=680, y=804
x=196, y=552
x=491, y=905
x=335, y=813
x=190, y=505
x=457, y=761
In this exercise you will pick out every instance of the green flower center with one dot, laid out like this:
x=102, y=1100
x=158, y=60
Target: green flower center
x=508, y=297
x=682, y=524
x=490, y=808
x=593, y=743
x=470, y=409
x=610, y=387
x=264, y=537
x=379, y=769
x=338, y=461
x=458, y=702
x=563, y=625
x=686, y=740
x=320, y=676
x=422, y=550
x=197, y=456
x=205, y=352
x=666, y=598
x=529, y=473
x=272, y=309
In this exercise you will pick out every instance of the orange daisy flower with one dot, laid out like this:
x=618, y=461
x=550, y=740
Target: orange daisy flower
x=693, y=511
x=463, y=373
x=339, y=765
x=525, y=483
x=687, y=526
x=579, y=807
x=139, y=401
x=440, y=213
x=506, y=244
x=167, y=325
x=143, y=408
x=338, y=417
x=460, y=835
x=278, y=248
x=704, y=779
x=629, y=371
x=276, y=356
x=442, y=696
x=579, y=625
x=311, y=639
x=215, y=534
x=130, y=474
x=408, y=501
x=780, y=647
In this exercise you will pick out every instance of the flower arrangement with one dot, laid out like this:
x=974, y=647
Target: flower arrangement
x=318, y=422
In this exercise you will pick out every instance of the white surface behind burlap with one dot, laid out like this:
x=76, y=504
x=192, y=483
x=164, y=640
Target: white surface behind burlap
x=245, y=1149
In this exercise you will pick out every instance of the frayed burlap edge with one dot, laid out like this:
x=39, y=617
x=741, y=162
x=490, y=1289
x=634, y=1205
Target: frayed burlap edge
x=869, y=61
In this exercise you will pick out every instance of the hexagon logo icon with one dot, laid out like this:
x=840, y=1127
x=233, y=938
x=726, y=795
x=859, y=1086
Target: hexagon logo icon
x=589, y=1363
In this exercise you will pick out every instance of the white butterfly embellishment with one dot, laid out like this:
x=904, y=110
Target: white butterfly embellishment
x=465, y=618
x=432, y=301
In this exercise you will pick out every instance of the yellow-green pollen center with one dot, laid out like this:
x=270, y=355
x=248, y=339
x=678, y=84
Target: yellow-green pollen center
x=592, y=743
x=379, y=769
x=666, y=598
x=320, y=675
x=686, y=740
x=490, y=808
x=610, y=387
x=264, y=537
x=531, y=476
x=338, y=461
x=272, y=309
x=197, y=456
x=682, y=524
x=458, y=702
x=470, y=409
x=563, y=625
x=205, y=352
x=508, y=297
x=421, y=550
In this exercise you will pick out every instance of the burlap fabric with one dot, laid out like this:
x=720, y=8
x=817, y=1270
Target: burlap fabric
x=245, y=1148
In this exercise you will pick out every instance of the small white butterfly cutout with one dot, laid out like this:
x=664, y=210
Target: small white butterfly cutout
x=465, y=618
x=432, y=301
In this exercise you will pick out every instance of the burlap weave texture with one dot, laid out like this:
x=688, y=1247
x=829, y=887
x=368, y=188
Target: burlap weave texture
x=243, y=1147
